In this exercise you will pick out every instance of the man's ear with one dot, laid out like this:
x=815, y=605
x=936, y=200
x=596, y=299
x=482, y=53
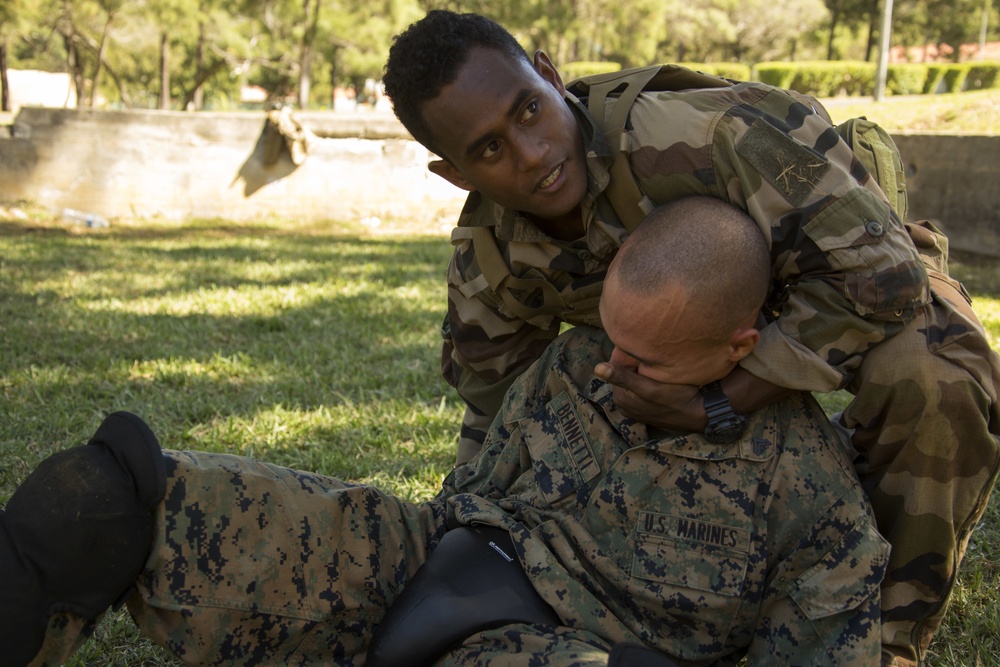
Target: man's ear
x=742, y=343
x=447, y=171
x=548, y=71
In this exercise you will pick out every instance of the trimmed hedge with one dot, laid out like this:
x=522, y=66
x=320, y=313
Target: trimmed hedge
x=983, y=75
x=821, y=78
x=734, y=71
x=831, y=78
x=954, y=78
x=825, y=78
x=575, y=70
x=904, y=79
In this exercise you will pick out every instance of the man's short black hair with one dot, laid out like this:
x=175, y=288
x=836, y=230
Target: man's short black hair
x=426, y=57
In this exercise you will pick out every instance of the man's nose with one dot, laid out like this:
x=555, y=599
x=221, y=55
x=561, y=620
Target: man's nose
x=619, y=358
x=531, y=151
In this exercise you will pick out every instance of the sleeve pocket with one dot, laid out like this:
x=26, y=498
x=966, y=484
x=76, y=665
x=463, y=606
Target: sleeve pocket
x=871, y=255
x=561, y=453
x=846, y=576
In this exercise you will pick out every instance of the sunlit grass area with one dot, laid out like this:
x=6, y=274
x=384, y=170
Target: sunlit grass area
x=314, y=346
x=970, y=112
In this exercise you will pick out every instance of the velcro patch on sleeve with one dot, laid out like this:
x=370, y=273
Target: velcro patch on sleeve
x=792, y=169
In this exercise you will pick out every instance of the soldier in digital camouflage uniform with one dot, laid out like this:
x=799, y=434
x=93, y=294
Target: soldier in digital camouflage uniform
x=860, y=301
x=764, y=547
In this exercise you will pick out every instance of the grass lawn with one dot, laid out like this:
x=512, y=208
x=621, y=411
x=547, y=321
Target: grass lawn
x=313, y=346
x=971, y=112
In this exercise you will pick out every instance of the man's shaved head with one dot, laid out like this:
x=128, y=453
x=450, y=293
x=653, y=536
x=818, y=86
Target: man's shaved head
x=711, y=249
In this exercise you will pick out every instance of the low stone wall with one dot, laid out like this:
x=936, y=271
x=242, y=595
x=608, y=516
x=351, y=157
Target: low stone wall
x=954, y=180
x=177, y=165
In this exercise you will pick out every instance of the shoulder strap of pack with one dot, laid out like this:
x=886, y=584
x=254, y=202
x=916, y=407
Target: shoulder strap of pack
x=878, y=153
x=624, y=86
x=548, y=300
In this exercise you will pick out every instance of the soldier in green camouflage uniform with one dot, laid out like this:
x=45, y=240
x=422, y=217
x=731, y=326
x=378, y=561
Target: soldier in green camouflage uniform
x=853, y=307
x=764, y=547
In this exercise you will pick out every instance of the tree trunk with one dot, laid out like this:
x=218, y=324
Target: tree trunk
x=206, y=73
x=99, y=63
x=307, y=51
x=333, y=78
x=198, y=96
x=164, y=72
x=873, y=31
x=74, y=67
x=834, y=18
x=4, y=84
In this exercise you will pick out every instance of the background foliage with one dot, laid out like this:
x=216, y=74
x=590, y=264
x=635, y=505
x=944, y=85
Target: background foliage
x=198, y=53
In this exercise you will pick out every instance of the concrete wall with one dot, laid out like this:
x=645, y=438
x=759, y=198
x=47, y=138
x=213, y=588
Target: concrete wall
x=954, y=180
x=179, y=165
x=176, y=165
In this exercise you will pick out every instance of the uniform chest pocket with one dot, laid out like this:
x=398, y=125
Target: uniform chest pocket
x=691, y=572
x=690, y=553
x=562, y=456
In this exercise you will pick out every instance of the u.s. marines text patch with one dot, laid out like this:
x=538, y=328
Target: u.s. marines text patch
x=690, y=552
x=694, y=531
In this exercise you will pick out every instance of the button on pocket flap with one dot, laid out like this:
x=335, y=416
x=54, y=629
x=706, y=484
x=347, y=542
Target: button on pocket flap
x=854, y=219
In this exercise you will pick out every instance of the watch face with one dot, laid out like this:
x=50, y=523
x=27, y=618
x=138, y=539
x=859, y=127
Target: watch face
x=723, y=435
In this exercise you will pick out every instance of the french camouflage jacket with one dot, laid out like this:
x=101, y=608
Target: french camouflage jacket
x=766, y=547
x=845, y=274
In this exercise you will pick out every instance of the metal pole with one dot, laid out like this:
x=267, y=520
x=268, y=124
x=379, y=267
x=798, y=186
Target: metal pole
x=984, y=23
x=883, y=51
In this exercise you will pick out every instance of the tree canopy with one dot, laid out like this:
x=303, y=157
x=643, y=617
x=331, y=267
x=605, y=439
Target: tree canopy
x=194, y=54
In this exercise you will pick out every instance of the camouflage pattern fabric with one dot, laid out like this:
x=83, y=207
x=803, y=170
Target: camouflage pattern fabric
x=254, y=564
x=847, y=273
x=766, y=547
x=927, y=457
x=705, y=552
x=851, y=310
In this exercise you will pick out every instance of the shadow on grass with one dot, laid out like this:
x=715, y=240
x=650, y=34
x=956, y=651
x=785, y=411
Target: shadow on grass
x=188, y=329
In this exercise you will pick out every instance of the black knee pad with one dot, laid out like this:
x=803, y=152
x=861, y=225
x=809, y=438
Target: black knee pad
x=634, y=655
x=77, y=532
x=471, y=582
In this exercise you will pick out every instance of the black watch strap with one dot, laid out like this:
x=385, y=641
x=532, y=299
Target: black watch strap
x=724, y=425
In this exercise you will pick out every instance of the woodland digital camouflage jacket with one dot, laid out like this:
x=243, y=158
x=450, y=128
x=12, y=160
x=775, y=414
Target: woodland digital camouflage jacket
x=701, y=550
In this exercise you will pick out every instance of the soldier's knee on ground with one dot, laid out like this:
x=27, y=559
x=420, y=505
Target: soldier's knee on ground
x=77, y=532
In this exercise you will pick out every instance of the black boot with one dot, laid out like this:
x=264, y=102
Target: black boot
x=77, y=532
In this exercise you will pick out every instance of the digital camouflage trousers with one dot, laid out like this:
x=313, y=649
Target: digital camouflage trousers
x=302, y=591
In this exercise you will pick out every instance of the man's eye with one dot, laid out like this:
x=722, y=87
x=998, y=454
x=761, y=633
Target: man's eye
x=529, y=111
x=491, y=149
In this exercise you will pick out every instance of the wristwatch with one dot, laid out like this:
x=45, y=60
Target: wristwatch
x=724, y=425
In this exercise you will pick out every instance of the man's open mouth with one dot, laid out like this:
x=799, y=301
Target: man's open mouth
x=551, y=178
